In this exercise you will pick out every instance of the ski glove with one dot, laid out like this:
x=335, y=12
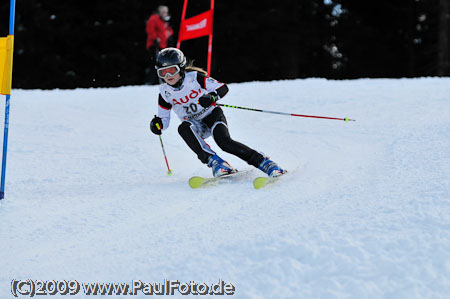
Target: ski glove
x=155, y=123
x=208, y=99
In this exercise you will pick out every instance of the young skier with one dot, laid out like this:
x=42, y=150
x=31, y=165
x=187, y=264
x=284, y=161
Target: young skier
x=192, y=95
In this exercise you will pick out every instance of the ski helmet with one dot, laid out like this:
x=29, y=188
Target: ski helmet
x=171, y=56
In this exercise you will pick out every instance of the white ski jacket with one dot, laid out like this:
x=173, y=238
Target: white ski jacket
x=184, y=100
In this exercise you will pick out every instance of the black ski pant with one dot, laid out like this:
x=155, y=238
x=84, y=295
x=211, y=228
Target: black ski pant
x=218, y=123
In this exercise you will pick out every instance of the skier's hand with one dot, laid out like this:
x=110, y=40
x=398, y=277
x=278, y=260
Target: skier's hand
x=207, y=100
x=156, y=125
x=156, y=43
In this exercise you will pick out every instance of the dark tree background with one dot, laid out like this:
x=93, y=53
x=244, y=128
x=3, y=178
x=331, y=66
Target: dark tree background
x=72, y=43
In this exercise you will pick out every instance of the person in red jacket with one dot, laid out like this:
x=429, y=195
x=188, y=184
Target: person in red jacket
x=159, y=33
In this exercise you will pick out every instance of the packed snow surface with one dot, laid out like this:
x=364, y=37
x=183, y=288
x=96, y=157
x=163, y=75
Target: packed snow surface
x=363, y=213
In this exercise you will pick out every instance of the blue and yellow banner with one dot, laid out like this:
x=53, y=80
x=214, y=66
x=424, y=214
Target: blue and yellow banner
x=6, y=63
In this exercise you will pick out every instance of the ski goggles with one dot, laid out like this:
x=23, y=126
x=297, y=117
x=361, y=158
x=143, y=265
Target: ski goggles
x=171, y=70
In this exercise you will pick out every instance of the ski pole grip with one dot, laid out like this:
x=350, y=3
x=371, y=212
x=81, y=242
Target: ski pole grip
x=157, y=125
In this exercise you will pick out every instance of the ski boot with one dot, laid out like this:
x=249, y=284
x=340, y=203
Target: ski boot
x=270, y=168
x=219, y=166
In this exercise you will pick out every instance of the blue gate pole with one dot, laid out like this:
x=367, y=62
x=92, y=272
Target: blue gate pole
x=12, y=10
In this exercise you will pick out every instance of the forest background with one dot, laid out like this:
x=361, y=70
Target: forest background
x=69, y=44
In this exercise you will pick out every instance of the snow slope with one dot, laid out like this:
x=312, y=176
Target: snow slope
x=363, y=214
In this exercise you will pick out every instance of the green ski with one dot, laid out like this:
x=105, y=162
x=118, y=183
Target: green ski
x=261, y=182
x=198, y=181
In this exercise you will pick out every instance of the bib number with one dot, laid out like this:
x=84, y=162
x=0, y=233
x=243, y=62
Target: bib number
x=192, y=108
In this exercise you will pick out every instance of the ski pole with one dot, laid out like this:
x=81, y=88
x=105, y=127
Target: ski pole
x=169, y=171
x=284, y=113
